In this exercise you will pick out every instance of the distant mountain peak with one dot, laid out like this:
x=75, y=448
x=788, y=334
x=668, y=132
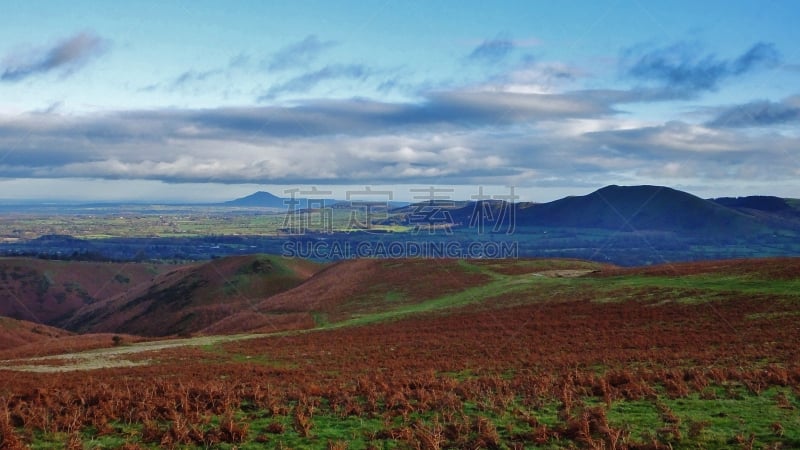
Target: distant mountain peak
x=260, y=198
x=637, y=188
x=264, y=195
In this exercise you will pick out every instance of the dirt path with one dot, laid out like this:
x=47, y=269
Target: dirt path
x=110, y=357
x=564, y=273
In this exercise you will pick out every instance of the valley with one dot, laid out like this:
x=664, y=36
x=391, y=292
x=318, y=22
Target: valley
x=622, y=225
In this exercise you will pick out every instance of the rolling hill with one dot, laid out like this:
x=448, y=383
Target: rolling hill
x=621, y=208
x=15, y=333
x=350, y=290
x=190, y=298
x=266, y=293
x=755, y=202
x=632, y=208
x=774, y=211
x=49, y=292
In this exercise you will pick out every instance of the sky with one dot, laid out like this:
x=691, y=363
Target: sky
x=206, y=101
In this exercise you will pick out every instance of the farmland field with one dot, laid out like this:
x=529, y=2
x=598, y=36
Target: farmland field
x=196, y=233
x=540, y=354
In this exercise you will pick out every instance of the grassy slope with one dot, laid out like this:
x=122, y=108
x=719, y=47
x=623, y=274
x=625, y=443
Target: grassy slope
x=368, y=290
x=520, y=282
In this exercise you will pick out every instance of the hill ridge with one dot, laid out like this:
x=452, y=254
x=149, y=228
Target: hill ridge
x=618, y=208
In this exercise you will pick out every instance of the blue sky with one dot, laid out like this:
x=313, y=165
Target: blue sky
x=210, y=100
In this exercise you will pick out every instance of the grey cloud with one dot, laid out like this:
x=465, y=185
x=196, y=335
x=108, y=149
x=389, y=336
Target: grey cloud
x=340, y=140
x=681, y=148
x=457, y=137
x=612, y=97
x=309, y=80
x=298, y=54
x=673, y=150
x=507, y=107
x=758, y=113
x=440, y=110
x=66, y=56
x=492, y=51
x=681, y=69
x=445, y=110
x=191, y=76
x=671, y=138
x=760, y=54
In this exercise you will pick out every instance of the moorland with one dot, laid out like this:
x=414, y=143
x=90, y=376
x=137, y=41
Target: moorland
x=262, y=350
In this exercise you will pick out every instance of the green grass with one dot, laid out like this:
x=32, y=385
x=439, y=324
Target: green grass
x=320, y=319
x=498, y=286
x=218, y=353
x=501, y=284
x=468, y=267
x=248, y=277
x=394, y=296
x=327, y=427
x=718, y=422
x=714, y=283
x=773, y=315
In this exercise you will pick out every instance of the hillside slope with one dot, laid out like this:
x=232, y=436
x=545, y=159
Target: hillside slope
x=775, y=211
x=354, y=288
x=49, y=292
x=258, y=199
x=14, y=333
x=615, y=208
x=193, y=297
x=539, y=356
x=638, y=208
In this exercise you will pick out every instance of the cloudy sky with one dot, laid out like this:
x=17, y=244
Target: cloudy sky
x=204, y=100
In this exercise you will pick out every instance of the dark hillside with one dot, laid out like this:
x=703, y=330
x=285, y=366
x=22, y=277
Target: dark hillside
x=191, y=298
x=47, y=292
x=258, y=199
x=640, y=208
